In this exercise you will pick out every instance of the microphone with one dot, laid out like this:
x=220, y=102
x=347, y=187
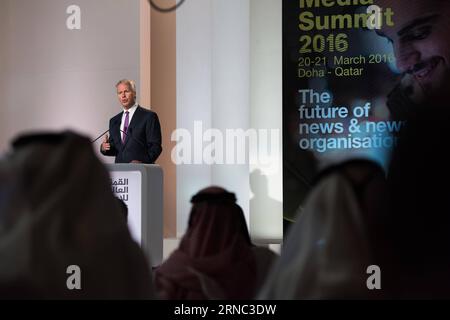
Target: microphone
x=114, y=123
x=99, y=136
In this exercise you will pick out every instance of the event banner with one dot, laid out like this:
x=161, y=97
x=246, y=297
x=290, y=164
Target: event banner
x=343, y=95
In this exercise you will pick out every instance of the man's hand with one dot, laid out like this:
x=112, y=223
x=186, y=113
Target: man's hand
x=106, y=146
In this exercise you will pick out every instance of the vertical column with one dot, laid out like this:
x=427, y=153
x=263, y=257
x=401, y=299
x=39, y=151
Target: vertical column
x=266, y=209
x=229, y=78
x=231, y=89
x=145, y=53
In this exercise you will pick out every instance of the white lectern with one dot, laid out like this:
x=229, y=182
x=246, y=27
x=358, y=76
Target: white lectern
x=140, y=186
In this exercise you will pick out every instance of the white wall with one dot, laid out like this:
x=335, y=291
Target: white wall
x=231, y=87
x=229, y=77
x=213, y=87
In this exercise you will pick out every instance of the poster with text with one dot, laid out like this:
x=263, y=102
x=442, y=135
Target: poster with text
x=344, y=95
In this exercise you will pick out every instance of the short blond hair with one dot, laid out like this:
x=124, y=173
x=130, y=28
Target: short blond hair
x=130, y=83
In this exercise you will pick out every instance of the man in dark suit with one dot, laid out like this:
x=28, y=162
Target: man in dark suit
x=135, y=133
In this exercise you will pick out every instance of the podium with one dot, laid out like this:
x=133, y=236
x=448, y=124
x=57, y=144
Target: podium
x=140, y=186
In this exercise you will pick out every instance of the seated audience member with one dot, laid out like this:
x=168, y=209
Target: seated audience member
x=57, y=210
x=329, y=247
x=123, y=208
x=215, y=259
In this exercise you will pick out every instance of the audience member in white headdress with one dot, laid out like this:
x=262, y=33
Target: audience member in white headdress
x=328, y=249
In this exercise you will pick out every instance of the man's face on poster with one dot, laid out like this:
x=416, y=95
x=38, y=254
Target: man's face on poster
x=421, y=42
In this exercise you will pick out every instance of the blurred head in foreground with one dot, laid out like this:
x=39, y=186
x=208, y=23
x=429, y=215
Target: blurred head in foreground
x=57, y=210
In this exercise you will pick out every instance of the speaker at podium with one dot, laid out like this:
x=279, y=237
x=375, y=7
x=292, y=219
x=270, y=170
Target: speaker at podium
x=140, y=186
